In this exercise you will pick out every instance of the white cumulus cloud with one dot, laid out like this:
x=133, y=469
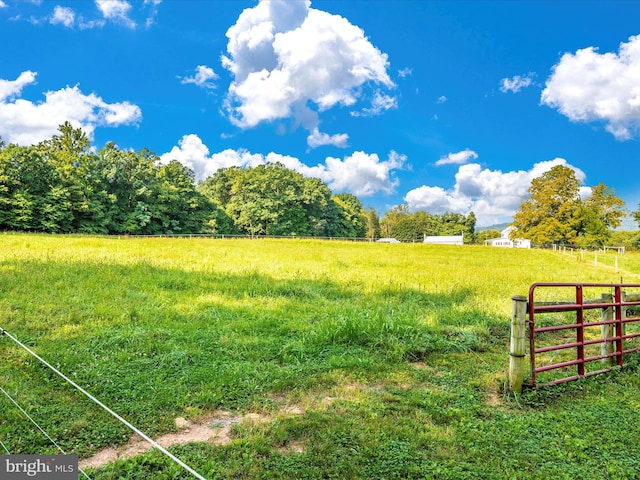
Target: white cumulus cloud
x=11, y=88
x=493, y=195
x=590, y=86
x=62, y=16
x=361, y=173
x=291, y=61
x=116, y=10
x=25, y=122
x=457, y=158
x=516, y=83
x=317, y=139
x=202, y=78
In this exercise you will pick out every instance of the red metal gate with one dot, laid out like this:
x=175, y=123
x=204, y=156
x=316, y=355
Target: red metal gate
x=613, y=305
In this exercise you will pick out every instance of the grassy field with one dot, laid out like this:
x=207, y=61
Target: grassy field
x=328, y=359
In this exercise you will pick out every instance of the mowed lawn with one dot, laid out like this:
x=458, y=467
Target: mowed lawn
x=322, y=359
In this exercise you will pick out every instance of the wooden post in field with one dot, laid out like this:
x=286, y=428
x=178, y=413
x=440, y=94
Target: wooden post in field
x=623, y=298
x=608, y=331
x=518, y=344
x=595, y=259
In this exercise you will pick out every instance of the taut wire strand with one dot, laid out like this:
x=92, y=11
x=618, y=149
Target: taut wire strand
x=5, y=448
x=104, y=407
x=24, y=412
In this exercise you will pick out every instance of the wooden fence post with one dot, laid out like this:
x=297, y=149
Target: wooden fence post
x=623, y=298
x=518, y=347
x=608, y=331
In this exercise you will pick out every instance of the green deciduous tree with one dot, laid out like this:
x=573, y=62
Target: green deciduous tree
x=556, y=214
x=486, y=235
x=351, y=220
x=178, y=206
x=266, y=200
x=602, y=211
x=606, y=204
x=271, y=199
x=391, y=219
x=372, y=224
x=32, y=196
x=549, y=215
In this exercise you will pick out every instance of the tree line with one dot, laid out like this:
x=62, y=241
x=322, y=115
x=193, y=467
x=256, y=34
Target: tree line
x=63, y=185
x=406, y=226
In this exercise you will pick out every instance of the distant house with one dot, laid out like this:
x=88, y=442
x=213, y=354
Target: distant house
x=387, y=240
x=444, y=239
x=506, y=242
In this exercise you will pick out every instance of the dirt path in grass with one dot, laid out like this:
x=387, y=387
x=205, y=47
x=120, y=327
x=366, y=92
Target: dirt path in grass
x=215, y=429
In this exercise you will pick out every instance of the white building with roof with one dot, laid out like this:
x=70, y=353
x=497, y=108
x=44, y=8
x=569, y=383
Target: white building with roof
x=387, y=240
x=506, y=242
x=444, y=239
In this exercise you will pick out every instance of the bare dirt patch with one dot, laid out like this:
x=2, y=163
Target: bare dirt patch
x=214, y=429
x=420, y=365
x=493, y=400
x=292, y=447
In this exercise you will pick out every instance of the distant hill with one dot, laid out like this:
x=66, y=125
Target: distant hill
x=498, y=226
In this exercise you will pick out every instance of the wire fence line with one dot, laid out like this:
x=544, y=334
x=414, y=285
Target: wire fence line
x=5, y=448
x=24, y=412
x=159, y=447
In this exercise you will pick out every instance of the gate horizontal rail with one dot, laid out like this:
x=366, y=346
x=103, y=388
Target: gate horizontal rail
x=614, y=305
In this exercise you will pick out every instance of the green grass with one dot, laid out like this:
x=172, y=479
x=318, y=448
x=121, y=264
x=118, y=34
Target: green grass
x=394, y=355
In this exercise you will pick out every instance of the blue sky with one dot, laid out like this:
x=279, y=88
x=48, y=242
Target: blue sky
x=445, y=106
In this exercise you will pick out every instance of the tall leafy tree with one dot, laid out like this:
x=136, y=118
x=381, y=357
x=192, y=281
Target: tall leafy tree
x=372, y=224
x=555, y=213
x=31, y=194
x=265, y=200
x=548, y=216
x=408, y=228
x=351, y=220
x=486, y=235
x=598, y=214
x=391, y=219
x=458, y=224
x=129, y=178
x=179, y=207
x=68, y=152
x=274, y=200
x=217, y=189
x=318, y=205
x=606, y=204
